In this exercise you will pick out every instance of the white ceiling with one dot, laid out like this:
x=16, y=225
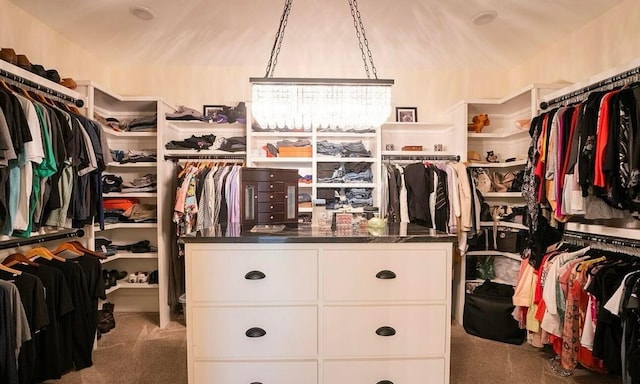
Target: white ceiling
x=401, y=33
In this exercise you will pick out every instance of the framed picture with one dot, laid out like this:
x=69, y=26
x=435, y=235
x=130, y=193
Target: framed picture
x=407, y=114
x=212, y=110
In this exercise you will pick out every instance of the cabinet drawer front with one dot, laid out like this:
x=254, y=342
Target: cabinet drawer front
x=427, y=371
x=419, y=274
x=237, y=275
x=274, y=217
x=419, y=330
x=270, y=187
x=256, y=372
x=265, y=197
x=270, y=207
x=254, y=332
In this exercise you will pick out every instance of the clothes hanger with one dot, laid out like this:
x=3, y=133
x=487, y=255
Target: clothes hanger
x=5, y=86
x=10, y=270
x=44, y=253
x=81, y=248
x=17, y=258
x=67, y=246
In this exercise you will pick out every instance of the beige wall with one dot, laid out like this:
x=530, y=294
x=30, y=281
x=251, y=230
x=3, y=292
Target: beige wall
x=611, y=40
x=43, y=45
x=432, y=91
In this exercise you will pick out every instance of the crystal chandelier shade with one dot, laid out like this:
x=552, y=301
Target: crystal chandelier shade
x=309, y=104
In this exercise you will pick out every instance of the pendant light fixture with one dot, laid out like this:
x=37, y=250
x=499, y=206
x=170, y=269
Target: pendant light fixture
x=313, y=103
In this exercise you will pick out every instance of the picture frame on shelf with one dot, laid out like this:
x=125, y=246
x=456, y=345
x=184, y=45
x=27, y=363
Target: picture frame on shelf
x=407, y=114
x=212, y=110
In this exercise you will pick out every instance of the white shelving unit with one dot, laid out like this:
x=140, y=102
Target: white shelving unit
x=506, y=141
x=257, y=157
x=134, y=297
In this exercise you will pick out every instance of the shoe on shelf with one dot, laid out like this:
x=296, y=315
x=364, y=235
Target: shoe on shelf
x=142, y=277
x=133, y=278
x=153, y=277
x=119, y=275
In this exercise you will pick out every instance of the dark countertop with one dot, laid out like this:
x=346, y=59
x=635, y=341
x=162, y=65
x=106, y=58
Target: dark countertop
x=304, y=233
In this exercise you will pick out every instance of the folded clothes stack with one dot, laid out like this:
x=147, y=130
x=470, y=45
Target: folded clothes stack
x=146, y=183
x=186, y=114
x=194, y=142
x=134, y=155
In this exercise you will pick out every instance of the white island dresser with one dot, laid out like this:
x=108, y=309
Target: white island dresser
x=303, y=307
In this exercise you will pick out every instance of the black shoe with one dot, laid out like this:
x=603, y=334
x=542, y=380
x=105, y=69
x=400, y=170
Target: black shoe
x=119, y=275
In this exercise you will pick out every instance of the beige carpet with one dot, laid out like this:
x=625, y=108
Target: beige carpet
x=138, y=352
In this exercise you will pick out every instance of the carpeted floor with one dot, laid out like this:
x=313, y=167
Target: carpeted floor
x=138, y=352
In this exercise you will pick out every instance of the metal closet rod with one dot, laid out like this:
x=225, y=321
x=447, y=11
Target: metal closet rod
x=39, y=87
x=611, y=80
x=421, y=157
x=40, y=239
x=204, y=157
x=602, y=239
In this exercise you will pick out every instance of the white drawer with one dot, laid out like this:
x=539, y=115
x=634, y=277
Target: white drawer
x=420, y=274
x=221, y=332
x=427, y=371
x=254, y=275
x=352, y=331
x=256, y=372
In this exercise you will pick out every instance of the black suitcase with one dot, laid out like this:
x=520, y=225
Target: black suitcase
x=489, y=316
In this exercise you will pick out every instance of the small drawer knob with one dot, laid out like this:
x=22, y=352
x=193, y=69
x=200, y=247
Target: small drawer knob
x=255, y=332
x=386, y=274
x=385, y=331
x=255, y=275
x=384, y=382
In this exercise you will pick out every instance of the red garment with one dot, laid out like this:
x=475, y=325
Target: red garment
x=541, y=164
x=602, y=138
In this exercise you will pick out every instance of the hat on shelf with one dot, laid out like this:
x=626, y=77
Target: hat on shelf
x=9, y=55
x=69, y=83
x=24, y=63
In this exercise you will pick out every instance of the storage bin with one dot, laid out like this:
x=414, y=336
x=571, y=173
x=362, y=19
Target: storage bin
x=294, y=151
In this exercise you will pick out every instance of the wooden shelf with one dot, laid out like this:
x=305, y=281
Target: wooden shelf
x=511, y=195
x=281, y=134
x=132, y=165
x=203, y=152
x=130, y=255
x=506, y=224
x=329, y=159
x=188, y=125
x=130, y=194
x=517, y=163
x=108, y=227
x=112, y=132
x=282, y=160
x=345, y=185
x=497, y=135
x=328, y=135
x=123, y=284
x=510, y=255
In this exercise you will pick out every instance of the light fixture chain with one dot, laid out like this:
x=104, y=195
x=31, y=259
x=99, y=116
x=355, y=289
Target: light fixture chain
x=277, y=43
x=366, y=42
x=358, y=35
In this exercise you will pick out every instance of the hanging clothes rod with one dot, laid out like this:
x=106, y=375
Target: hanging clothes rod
x=39, y=87
x=204, y=157
x=13, y=243
x=601, y=84
x=602, y=239
x=421, y=157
